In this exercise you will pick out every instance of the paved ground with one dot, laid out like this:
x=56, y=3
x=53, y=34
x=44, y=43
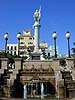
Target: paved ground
x=36, y=99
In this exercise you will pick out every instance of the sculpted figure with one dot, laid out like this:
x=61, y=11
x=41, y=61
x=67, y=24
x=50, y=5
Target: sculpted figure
x=37, y=15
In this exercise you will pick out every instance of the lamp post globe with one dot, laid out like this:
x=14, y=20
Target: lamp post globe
x=18, y=37
x=6, y=38
x=54, y=35
x=68, y=37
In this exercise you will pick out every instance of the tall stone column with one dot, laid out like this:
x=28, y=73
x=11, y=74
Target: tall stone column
x=42, y=91
x=36, y=36
x=25, y=91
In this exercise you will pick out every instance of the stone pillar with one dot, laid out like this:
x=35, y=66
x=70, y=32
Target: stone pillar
x=42, y=91
x=55, y=64
x=4, y=63
x=17, y=63
x=70, y=64
x=36, y=36
x=25, y=91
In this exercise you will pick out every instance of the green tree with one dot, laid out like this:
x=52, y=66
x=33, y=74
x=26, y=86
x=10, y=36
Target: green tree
x=73, y=49
x=62, y=61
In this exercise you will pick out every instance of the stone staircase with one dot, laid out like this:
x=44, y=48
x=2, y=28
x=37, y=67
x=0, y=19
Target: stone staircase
x=9, y=77
x=5, y=76
x=69, y=84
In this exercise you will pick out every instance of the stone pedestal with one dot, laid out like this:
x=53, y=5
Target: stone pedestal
x=55, y=64
x=4, y=62
x=18, y=63
x=36, y=56
x=70, y=64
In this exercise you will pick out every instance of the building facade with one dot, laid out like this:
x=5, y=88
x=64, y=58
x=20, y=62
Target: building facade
x=12, y=49
x=52, y=50
x=26, y=43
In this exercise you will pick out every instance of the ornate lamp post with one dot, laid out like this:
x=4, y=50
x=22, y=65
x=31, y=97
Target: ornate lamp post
x=55, y=36
x=18, y=37
x=68, y=37
x=6, y=38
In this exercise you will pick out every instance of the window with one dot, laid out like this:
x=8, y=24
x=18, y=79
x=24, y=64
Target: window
x=7, y=47
x=11, y=47
x=21, y=42
x=30, y=43
x=21, y=52
x=22, y=47
x=22, y=38
x=11, y=52
x=35, y=57
x=14, y=52
x=15, y=47
x=30, y=38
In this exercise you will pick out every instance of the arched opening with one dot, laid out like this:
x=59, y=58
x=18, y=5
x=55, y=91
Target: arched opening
x=34, y=90
x=11, y=64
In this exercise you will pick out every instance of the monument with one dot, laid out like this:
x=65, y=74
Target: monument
x=37, y=54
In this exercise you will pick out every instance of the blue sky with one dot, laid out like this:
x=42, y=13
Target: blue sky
x=57, y=15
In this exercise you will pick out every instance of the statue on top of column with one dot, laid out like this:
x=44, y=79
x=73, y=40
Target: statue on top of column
x=37, y=15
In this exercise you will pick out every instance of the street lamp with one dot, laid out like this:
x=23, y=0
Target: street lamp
x=6, y=38
x=18, y=37
x=68, y=37
x=55, y=36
